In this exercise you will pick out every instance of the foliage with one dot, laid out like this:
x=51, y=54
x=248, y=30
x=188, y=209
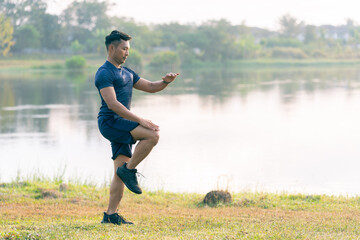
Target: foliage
x=289, y=26
x=26, y=37
x=188, y=57
x=144, y=39
x=83, y=25
x=6, y=35
x=76, y=47
x=134, y=60
x=288, y=53
x=22, y=12
x=166, y=59
x=75, y=62
x=96, y=43
x=246, y=48
x=89, y=15
x=281, y=42
x=50, y=30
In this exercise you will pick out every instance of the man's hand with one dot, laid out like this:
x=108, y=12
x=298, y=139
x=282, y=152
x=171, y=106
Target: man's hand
x=149, y=124
x=169, y=77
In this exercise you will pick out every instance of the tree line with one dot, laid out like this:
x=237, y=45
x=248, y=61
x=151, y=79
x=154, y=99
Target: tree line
x=27, y=28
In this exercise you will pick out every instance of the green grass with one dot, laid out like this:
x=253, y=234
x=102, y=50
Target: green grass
x=44, y=62
x=56, y=62
x=52, y=210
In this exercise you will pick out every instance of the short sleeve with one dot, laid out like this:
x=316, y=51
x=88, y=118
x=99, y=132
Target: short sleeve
x=103, y=79
x=136, y=77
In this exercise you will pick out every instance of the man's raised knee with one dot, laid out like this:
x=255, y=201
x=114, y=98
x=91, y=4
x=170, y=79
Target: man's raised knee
x=155, y=137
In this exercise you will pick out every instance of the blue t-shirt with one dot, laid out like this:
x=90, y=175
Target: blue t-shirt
x=122, y=79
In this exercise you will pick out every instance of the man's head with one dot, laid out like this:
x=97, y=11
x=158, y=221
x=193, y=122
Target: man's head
x=117, y=46
x=115, y=37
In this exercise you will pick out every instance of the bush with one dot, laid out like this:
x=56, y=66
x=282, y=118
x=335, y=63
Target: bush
x=76, y=47
x=319, y=54
x=75, y=62
x=134, y=60
x=30, y=41
x=288, y=53
x=281, y=42
x=167, y=59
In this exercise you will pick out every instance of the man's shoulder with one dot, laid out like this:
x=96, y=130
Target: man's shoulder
x=104, y=77
x=104, y=70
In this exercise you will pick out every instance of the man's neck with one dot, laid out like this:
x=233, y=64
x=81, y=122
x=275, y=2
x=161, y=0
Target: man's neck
x=117, y=65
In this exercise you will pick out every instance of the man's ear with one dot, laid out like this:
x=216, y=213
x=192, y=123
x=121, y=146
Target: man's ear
x=111, y=47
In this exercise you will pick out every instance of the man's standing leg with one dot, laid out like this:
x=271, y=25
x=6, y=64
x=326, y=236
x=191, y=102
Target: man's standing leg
x=116, y=194
x=117, y=186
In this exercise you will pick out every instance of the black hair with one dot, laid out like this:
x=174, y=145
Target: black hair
x=115, y=38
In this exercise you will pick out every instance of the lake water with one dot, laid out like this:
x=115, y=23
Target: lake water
x=273, y=130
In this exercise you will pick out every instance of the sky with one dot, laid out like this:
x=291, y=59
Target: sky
x=254, y=13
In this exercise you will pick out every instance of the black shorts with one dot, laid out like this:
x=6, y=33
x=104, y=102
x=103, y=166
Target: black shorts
x=117, y=131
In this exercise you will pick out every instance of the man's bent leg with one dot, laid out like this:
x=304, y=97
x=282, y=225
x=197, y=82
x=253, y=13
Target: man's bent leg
x=148, y=139
x=127, y=173
x=117, y=186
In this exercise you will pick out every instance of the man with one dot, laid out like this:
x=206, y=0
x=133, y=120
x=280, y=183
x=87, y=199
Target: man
x=120, y=126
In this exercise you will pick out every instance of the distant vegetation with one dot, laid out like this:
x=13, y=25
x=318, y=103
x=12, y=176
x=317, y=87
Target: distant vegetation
x=75, y=62
x=27, y=28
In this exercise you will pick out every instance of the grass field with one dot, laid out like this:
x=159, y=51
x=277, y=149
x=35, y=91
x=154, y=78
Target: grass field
x=51, y=210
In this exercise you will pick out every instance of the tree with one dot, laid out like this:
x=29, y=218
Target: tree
x=310, y=34
x=87, y=14
x=289, y=26
x=6, y=35
x=33, y=13
x=215, y=39
x=246, y=47
x=21, y=11
x=144, y=39
x=171, y=33
x=97, y=42
x=84, y=18
x=50, y=30
x=26, y=37
x=134, y=60
x=76, y=47
x=166, y=60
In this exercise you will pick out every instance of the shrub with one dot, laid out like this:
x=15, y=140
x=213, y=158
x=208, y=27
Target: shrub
x=134, y=61
x=281, y=42
x=319, y=54
x=76, y=47
x=75, y=62
x=167, y=59
x=288, y=53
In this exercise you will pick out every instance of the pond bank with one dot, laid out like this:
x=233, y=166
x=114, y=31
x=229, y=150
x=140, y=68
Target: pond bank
x=48, y=62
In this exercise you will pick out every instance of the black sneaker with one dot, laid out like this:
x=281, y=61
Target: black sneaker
x=115, y=219
x=128, y=176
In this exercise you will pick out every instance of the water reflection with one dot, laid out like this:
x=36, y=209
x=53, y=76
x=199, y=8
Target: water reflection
x=264, y=129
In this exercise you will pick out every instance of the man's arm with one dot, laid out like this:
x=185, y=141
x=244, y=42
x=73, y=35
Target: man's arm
x=153, y=87
x=109, y=96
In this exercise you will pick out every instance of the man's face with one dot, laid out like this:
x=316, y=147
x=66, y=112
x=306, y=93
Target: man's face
x=121, y=52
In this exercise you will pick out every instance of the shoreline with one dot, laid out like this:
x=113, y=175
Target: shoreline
x=48, y=63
